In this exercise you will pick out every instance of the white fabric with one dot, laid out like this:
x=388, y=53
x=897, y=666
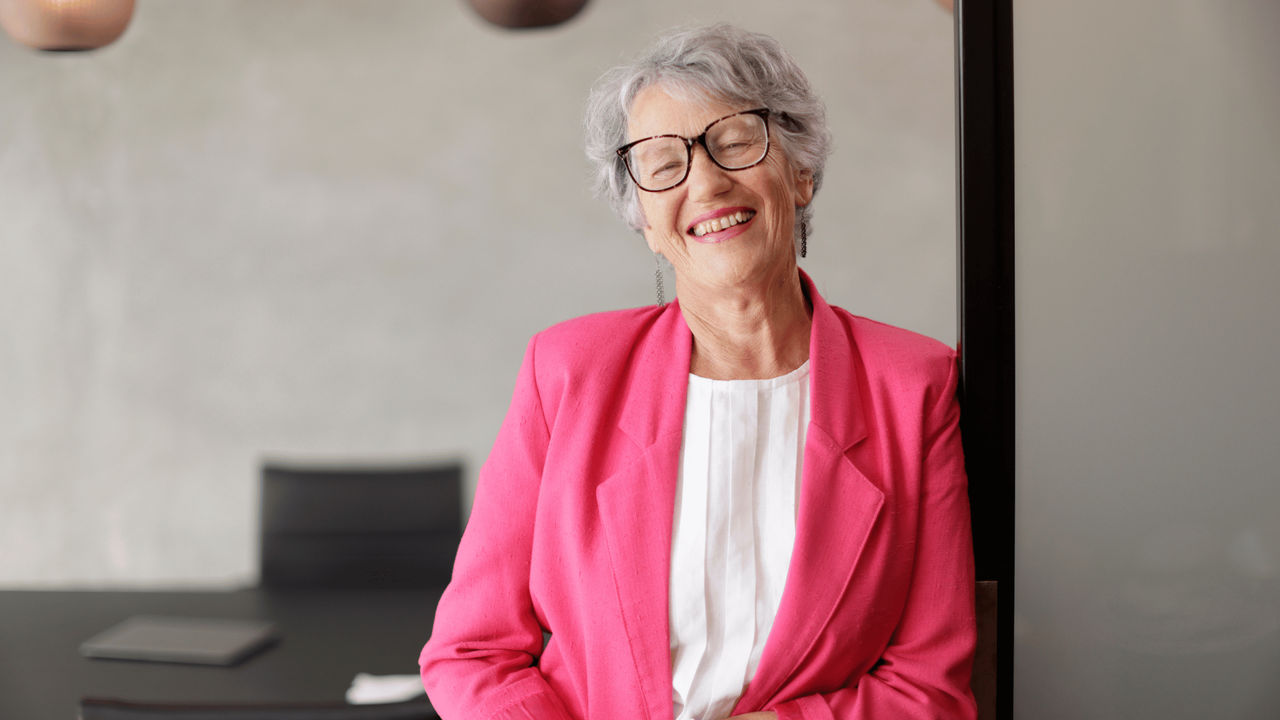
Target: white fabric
x=734, y=528
x=369, y=689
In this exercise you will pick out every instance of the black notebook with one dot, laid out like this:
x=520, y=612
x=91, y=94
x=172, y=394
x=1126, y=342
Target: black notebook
x=203, y=641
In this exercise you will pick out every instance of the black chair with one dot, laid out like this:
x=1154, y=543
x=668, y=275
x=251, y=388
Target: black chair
x=106, y=709
x=325, y=526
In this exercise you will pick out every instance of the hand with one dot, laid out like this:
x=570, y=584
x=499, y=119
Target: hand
x=762, y=715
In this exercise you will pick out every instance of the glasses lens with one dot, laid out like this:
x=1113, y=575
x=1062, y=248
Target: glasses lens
x=739, y=141
x=658, y=163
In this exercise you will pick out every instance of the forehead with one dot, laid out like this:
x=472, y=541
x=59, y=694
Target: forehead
x=656, y=111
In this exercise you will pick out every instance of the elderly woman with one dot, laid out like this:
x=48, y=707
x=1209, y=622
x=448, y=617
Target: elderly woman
x=746, y=503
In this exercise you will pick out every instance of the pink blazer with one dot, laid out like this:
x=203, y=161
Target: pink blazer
x=571, y=532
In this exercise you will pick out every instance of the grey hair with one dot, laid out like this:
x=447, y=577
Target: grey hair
x=717, y=62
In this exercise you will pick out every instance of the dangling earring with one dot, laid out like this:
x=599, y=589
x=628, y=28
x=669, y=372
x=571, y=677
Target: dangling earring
x=804, y=238
x=657, y=276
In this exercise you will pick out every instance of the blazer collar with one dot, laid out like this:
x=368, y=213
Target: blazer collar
x=654, y=404
x=836, y=398
x=654, y=400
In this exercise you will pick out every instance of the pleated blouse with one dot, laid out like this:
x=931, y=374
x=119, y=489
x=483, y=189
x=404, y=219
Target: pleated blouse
x=733, y=532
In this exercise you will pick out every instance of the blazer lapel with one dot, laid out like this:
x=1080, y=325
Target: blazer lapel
x=838, y=506
x=637, y=503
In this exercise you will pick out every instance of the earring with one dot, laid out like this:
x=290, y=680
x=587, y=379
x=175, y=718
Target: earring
x=657, y=276
x=804, y=238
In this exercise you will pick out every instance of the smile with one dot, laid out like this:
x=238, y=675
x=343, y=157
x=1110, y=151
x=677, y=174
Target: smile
x=723, y=222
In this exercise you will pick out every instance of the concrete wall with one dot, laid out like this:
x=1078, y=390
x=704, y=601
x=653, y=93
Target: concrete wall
x=1148, y=467
x=322, y=229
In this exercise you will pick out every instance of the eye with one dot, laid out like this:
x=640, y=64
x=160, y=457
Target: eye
x=734, y=140
x=670, y=168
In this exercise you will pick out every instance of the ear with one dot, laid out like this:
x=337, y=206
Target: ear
x=644, y=229
x=804, y=187
x=649, y=239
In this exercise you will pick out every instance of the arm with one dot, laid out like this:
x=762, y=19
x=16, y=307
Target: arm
x=479, y=660
x=924, y=673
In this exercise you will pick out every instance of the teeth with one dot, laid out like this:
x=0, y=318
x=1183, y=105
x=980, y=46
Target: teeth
x=722, y=223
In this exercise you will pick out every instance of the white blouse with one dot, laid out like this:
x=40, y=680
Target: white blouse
x=734, y=528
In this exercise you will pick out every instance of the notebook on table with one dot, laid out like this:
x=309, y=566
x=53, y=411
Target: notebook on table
x=201, y=641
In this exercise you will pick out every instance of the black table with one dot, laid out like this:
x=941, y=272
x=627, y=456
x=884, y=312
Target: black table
x=326, y=638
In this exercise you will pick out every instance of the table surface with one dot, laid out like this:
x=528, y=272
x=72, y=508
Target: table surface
x=327, y=637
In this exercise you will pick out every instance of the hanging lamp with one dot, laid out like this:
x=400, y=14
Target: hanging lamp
x=65, y=24
x=518, y=14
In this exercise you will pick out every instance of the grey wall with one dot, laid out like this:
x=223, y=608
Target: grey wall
x=326, y=230
x=1148, y=247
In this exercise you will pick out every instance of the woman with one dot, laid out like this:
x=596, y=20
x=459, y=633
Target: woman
x=746, y=503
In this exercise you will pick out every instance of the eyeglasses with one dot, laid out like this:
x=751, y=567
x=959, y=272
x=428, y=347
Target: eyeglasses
x=734, y=142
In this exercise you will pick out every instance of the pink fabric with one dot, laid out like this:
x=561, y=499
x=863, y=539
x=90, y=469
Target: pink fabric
x=571, y=531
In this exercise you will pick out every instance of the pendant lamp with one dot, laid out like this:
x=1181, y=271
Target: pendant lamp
x=517, y=14
x=65, y=24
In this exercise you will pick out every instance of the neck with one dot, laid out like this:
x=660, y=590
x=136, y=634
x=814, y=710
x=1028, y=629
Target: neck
x=747, y=333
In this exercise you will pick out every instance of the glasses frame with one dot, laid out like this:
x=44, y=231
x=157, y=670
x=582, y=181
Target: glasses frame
x=701, y=139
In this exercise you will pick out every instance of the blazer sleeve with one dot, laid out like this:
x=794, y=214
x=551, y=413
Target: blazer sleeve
x=925, y=671
x=480, y=660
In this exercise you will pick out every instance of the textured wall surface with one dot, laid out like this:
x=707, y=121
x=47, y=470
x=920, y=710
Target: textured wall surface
x=325, y=230
x=1148, y=171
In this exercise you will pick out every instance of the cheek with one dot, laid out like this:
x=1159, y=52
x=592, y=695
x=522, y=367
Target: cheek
x=658, y=213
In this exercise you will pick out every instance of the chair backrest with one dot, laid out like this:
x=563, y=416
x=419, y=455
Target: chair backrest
x=984, y=659
x=359, y=526
x=106, y=709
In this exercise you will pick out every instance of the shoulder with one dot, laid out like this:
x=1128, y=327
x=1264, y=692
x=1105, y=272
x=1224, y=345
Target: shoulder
x=895, y=346
x=592, y=354
x=896, y=359
x=603, y=336
x=889, y=357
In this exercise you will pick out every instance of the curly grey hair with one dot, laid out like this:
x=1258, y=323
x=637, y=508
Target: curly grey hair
x=719, y=62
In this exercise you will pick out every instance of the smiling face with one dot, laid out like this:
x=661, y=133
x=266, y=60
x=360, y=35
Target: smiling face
x=720, y=229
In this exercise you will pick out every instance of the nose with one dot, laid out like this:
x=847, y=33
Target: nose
x=706, y=179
